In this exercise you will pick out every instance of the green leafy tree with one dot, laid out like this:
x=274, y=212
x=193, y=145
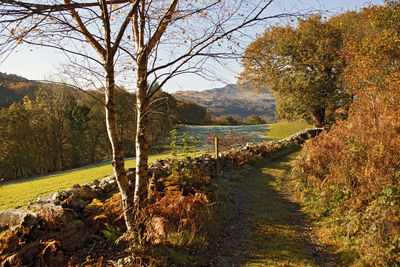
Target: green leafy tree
x=16, y=138
x=358, y=160
x=192, y=114
x=302, y=66
x=254, y=119
x=230, y=120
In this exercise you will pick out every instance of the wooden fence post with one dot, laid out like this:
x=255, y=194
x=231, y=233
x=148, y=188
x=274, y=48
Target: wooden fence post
x=217, y=155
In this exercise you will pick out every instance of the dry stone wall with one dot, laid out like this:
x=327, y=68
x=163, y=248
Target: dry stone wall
x=61, y=216
x=77, y=197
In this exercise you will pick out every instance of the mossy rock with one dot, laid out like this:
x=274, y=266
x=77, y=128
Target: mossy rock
x=94, y=207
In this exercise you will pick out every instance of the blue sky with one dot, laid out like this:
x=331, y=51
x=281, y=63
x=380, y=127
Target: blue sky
x=41, y=63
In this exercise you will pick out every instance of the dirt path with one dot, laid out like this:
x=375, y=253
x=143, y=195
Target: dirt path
x=267, y=228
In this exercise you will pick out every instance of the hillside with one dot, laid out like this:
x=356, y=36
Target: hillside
x=230, y=100
x=13, y=88
x=63, y=127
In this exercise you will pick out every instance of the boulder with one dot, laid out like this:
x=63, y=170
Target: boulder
x=52, y=196
x=108, y=179
x=75, y=235
x=44, y=200
x=95, y=183
x=74, y=202
x=17, y=217
x=76, y=186
x=108, y=185
x=157, y=171
x=248, y=146
x=86, y=185
x=54, y=213
x=85, y=193
x=62, y=195
x=97, y=189
x=167, y=164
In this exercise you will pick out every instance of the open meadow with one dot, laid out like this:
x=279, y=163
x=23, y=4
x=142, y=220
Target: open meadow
x=17, y=194
x=280, y=130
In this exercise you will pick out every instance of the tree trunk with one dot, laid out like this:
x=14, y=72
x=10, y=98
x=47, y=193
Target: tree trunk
x=142, y=106
x=319, y=116
x=125, y=186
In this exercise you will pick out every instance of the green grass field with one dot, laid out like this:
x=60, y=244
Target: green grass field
x=18, y=194
x=284, y=129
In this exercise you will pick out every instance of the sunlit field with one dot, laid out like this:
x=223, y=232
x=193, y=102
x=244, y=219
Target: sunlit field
x=255, y=133
x=17, y=194
x=280, y=130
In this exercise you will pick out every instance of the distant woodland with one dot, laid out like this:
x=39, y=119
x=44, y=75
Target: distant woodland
x=243, y=108
x=48, y=127
x=231, y=101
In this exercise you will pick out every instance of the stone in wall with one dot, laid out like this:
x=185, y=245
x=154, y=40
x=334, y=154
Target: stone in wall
x=302, y=136
x=17, y=217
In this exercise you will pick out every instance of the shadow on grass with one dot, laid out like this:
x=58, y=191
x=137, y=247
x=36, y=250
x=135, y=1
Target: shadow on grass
x=266, y=227
x=94, y=165
x=86, y=167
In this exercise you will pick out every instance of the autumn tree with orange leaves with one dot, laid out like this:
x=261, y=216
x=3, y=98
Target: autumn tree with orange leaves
x=302, y=65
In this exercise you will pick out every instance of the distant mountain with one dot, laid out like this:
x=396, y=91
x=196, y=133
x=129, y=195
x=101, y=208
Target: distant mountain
x=230, y=100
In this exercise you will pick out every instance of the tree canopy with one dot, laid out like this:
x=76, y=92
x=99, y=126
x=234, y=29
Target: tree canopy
x=301, y=65
x=254, y=120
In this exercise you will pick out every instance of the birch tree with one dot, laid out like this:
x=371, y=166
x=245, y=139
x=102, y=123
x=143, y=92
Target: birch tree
x=70, y=27
x=151, y=41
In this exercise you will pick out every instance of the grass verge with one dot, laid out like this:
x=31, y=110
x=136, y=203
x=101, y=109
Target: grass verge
x=267, y=227
x=278, y=238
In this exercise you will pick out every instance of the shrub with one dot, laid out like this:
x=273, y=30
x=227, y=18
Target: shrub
x=351, y=176
x=186, y=177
